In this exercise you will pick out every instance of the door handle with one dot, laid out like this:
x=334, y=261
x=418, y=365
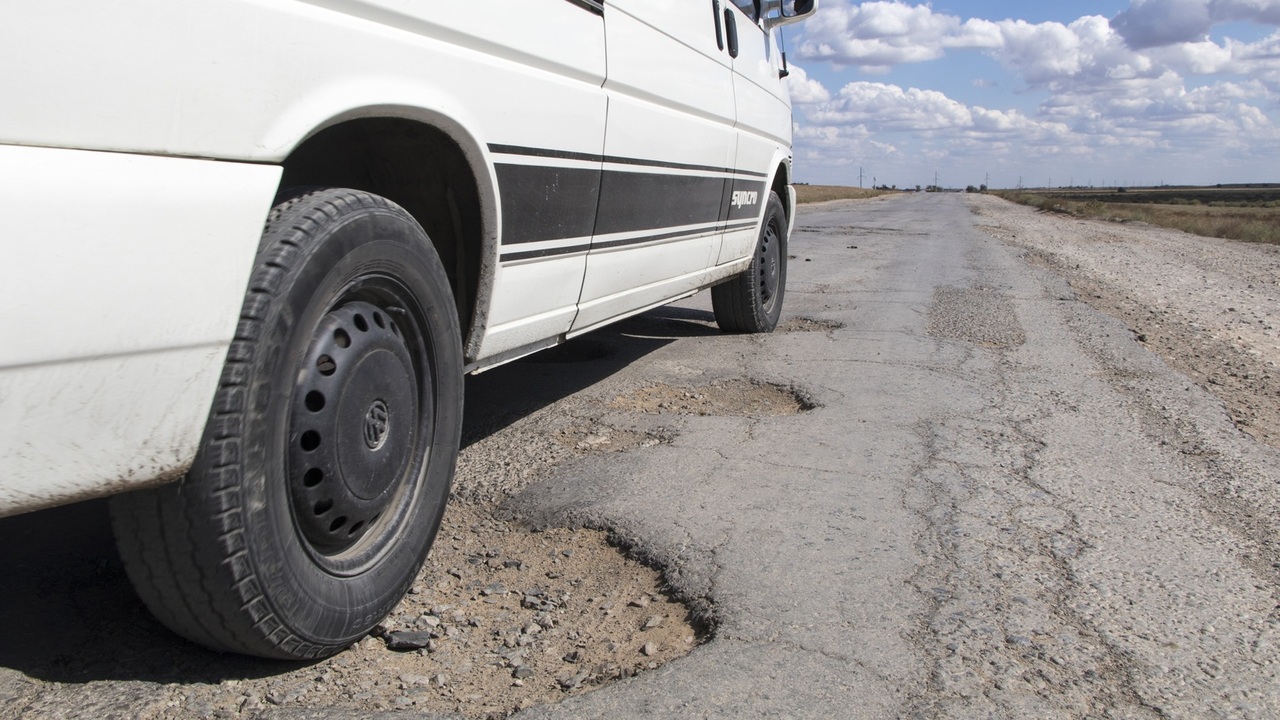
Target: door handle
x=715, y=13
x=731, y=32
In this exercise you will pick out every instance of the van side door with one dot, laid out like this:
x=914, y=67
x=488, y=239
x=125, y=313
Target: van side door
x=669, y=152
x=535, y=88
x=762, y=119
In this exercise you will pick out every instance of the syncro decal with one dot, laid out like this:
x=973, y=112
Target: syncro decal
x=746, y=197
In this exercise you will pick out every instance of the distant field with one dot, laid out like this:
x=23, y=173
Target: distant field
x=822, y=193
x=1236, y=212
x=1217, y=195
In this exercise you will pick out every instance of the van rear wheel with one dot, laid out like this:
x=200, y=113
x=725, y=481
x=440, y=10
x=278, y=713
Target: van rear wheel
x=326, y=462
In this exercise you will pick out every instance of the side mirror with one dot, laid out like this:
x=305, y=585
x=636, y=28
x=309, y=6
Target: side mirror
x=796, y=8
x=785, y=12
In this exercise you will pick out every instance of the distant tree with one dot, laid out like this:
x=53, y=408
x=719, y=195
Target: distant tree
x=982, y=187
x=970, y=189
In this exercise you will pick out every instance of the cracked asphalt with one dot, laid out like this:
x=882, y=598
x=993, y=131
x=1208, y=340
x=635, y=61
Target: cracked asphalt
x=1003, y=505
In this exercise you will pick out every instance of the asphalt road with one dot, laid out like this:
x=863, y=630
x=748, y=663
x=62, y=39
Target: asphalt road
x=1003, y=507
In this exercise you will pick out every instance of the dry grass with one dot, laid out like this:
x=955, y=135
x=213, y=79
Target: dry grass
x=1251, y=224
x=823, y=193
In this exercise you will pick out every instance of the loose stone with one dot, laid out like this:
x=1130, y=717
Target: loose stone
x=407, y=639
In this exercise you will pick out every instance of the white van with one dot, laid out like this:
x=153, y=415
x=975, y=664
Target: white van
x=251, y=247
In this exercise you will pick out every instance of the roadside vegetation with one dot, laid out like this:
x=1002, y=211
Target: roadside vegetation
x=823, y=193
x=1250, y=213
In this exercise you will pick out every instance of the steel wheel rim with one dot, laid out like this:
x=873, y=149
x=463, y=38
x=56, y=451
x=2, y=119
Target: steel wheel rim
x=378, y=498
x=769, y=258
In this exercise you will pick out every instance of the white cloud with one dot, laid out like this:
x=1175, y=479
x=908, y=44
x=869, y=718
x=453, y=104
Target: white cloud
x=1110, y=89
x=880, y=107
x=1157, y=23
x=875, y=36
x=882, y=34
x=804, y=89
x=892, y=108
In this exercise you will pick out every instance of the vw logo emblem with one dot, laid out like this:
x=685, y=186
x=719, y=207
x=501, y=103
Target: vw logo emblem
x=376, y=423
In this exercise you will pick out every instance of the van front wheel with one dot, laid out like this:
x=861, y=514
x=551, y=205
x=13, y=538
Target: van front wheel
x=326, y=462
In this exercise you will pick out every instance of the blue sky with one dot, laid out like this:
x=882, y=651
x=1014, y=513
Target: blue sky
x=1101, y=92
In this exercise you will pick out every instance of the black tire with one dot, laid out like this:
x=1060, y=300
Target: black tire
x=324, y=468
x=752, y=302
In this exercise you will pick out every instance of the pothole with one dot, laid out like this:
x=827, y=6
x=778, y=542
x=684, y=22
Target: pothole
x=742, y=398
x=507, y=619
x=512, y=618
x=500, y=619
x=806, y=324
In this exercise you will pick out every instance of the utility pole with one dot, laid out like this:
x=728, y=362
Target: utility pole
x=935, y=179
x=860, y=176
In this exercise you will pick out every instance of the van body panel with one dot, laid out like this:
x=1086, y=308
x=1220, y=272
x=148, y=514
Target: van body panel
x=141, y=148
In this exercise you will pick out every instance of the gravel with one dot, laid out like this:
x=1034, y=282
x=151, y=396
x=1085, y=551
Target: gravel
x=1210, y=308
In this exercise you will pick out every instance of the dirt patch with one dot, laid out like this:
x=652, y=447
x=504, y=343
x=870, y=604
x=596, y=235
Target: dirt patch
x=506, y=619
x=513, y=619
x=1210, y=308
x=488, y=471
x=806, y=324
x=739, y=398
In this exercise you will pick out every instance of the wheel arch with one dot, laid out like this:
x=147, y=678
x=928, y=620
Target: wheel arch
x=781, y=181
x=435, y=169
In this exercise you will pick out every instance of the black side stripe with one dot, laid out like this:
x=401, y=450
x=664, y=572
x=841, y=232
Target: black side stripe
x=646, y=239
x=615, y=159
x=547, y=203
x=549, y=252
x=543, y=152
x=550, y=203
x=634, y=202
x=593, y=6
x=668, y=236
